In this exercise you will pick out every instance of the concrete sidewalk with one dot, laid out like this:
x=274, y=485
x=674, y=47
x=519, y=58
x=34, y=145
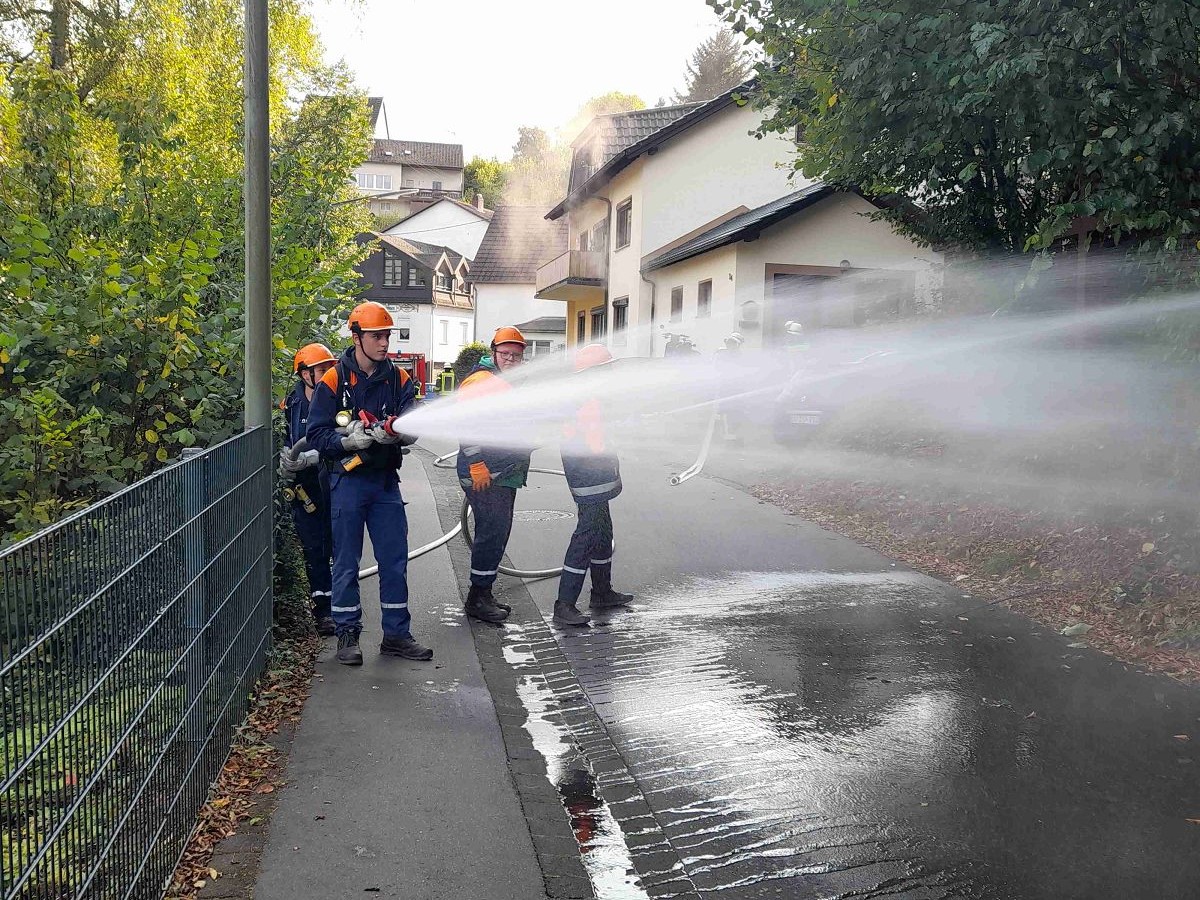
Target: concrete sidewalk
x=398, y=784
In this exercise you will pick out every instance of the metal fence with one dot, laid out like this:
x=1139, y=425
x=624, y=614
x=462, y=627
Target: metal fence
x=131, y=635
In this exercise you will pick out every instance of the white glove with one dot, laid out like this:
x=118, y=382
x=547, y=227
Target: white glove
x=382, y=436
x=356, y=438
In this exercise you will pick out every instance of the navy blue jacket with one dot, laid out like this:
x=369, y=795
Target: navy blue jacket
x=295, y=409
x=593, y=472
x=509, y=465
x=387, y=392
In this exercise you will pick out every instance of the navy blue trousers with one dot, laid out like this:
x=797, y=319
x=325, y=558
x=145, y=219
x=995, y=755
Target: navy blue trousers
x=590, y=548
x=493, y=511
x=316, y=540
x=371, y=501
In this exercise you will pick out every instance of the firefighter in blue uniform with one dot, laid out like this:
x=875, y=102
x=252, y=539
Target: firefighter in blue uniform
x=352, y=425
x=490, y=476
x=308, y=491
x=594, y=477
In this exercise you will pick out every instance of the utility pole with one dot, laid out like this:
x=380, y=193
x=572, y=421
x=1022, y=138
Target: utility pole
x=257, y=193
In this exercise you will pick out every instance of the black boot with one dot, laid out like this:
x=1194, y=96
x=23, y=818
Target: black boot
x=481, y=606
x=568, y=614
x=404, y=647
x=348, y=652
x=326, y=627
x=610, y=598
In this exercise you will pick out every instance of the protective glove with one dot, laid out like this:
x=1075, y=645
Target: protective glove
x=392, y=427
x=381, y=435
x=481, y=478
x=302, y=461
x=357, y=438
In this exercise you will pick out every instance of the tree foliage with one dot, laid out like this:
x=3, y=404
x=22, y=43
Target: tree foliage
x=121, y=260
x=1005, y=119
x=485, y=177
x=718, y=65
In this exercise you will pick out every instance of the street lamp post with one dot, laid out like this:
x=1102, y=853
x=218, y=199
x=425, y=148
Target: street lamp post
x=257, y=197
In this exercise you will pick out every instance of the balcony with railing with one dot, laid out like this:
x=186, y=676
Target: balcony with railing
x=574, y=275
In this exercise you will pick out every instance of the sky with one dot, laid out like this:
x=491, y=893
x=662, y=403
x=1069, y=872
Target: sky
x=471, y=71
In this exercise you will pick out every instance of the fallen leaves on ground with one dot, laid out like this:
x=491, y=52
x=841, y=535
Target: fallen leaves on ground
x=254, y=767
x=1136, y=584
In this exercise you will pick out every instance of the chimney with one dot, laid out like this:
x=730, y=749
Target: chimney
x=479, y=201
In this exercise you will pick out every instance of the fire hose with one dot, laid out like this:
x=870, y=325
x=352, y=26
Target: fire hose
x=464, y=521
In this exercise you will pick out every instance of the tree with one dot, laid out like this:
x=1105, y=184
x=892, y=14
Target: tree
x=1005, y=119
x=612, y=102
x=121, y=262
x=537, y=173
x=718, y=65
x=485, y=177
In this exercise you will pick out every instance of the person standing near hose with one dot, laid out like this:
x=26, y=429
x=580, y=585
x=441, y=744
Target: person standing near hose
x=362, y=395
x=594, y=476
x=490, y=476
x=310, y=488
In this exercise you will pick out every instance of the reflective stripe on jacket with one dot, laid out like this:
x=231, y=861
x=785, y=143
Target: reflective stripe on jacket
x=593, y=474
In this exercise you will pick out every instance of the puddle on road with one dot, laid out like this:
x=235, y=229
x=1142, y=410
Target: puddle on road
x=602, y=846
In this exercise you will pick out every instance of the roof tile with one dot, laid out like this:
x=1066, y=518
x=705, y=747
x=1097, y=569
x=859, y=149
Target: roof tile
x=518, y=240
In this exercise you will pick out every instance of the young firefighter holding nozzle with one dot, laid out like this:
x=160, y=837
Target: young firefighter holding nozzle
x=308, y=488
x=490, y=476
x=594, y=476
x=352, y=424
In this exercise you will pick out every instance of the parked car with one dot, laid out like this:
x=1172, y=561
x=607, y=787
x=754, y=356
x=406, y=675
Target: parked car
x=809, y=400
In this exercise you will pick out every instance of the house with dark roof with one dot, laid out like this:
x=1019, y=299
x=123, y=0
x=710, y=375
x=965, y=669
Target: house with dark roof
x=400, y=177
x=425, y=287
x=449, y=222
x=681, y=221
x=504, y=271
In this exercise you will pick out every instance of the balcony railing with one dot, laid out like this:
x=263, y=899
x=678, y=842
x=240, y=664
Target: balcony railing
x=586, y=267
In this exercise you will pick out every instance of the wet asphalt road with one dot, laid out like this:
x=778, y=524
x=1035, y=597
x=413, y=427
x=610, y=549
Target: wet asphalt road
x=806, y=719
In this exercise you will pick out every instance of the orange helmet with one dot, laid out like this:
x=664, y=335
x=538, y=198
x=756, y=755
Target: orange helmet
x=591, y=356
x=311, y=355
x=370, y=316
x=507, y=335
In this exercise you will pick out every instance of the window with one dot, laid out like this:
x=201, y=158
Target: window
x=444, y=282
x=404, y=334
x=385, y=206
x=620, y=319
x=393, y=269
x=624, y=223
x=600, y=236
x=581, y=329
x=585, y=241
x=408, y=182
x=370, y=181
x=540, y=348
x=445, y=331
x=599, y=323
x=437, y=185
x=676, y=304
x=463, y=338
x=403, y=330
x=416, y=276
x=704, y=300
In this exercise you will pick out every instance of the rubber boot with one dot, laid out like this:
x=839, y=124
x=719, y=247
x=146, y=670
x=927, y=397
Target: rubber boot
x=348, y=652
x=480, y=606
x=609, y=599
x=568, y=614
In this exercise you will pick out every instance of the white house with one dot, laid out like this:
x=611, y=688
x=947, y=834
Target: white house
x=681, y=221
x=400, y=177
x=448, y=222
x=503, y=273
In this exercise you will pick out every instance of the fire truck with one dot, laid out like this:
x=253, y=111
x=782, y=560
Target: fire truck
x=414, y=365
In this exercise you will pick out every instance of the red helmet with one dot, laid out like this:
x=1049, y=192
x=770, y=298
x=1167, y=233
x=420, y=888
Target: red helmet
x=311, y=355
x=370, y=316
x=591, y=356
x=508, y=334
